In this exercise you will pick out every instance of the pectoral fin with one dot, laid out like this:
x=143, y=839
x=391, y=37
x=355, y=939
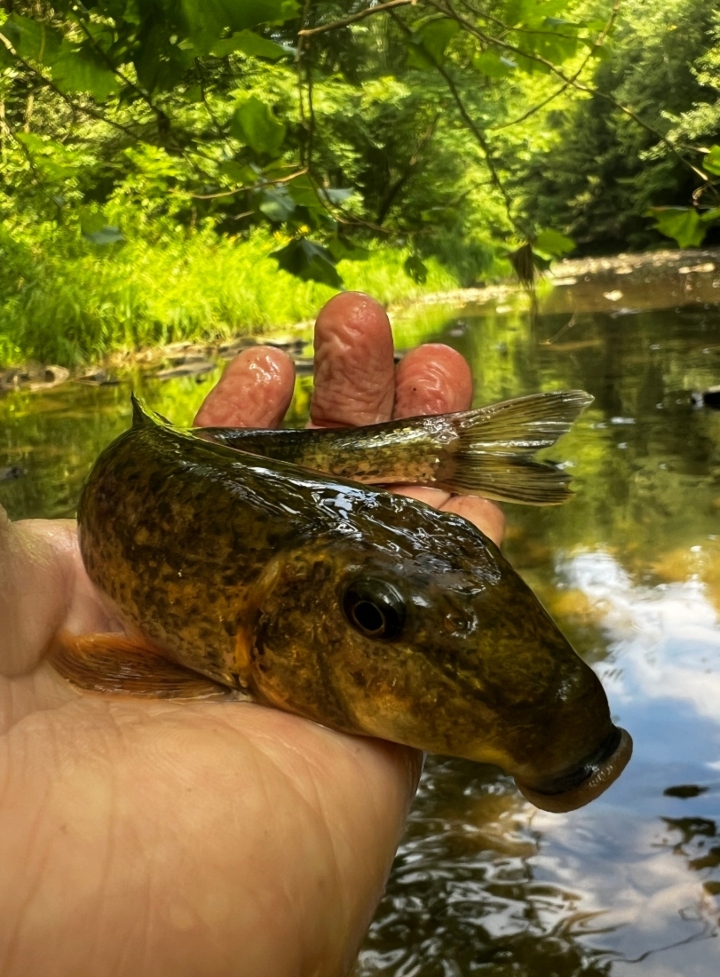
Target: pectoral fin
x=121, y=665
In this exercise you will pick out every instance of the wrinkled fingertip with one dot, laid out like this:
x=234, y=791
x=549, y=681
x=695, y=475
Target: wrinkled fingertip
x=432, y=379
x=254, y=391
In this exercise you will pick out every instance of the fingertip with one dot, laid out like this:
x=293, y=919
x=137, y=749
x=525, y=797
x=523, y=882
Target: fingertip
x=254, y=391
x=354, y=362
x=432, y=379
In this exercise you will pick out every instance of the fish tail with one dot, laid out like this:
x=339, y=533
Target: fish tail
x=491, y=455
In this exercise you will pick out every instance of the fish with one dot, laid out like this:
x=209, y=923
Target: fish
x=487, y=452
x=258, y=566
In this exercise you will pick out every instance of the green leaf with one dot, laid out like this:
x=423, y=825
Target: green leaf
x=204, y=20
x=553, y=244
x=277, y=204
x=7, y=60
x=532, y=11
x=94, y=228
x=338, y=195
x=710, y=215
x=32, y=40
x=415, y=269
x=492, y=65
x=711, y=162
x=193, y=94
x=240, y=173
x=254, y=124
x=160, y=64
x=303, y=193
x=81, y=69
x=343, y=249
x=680, y=223
x=250, y=44
x=428, y=44
x=106, y=235
x=308, y=261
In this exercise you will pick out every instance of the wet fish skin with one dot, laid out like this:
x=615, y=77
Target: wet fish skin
x=268, y=579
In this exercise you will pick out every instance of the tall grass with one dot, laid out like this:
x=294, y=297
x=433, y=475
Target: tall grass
x=64, y=300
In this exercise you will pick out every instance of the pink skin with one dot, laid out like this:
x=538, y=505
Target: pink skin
x=150, y=838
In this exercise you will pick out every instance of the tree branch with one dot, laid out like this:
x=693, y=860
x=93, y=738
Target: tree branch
x=447, y=10
x=354, y=18
x=479, y=136
x=66, y=98
x=599, y=41
x=231, y=193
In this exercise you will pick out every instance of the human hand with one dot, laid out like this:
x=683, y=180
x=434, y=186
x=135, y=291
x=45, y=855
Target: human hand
x=146, y=837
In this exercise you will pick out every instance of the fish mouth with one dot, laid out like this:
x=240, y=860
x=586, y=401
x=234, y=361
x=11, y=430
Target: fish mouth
x=583, y=783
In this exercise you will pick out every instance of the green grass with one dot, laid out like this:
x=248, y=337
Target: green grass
x=64, y=300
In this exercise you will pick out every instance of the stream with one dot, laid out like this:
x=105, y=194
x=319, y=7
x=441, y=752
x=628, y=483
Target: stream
x=484, y=883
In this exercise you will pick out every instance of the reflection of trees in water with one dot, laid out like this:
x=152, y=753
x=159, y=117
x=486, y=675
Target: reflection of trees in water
x=641, y=451
x=464, y=897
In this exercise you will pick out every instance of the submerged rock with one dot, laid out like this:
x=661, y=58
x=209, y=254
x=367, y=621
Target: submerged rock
x=11, y=472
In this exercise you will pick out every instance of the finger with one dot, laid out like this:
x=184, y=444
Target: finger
x=354, y=365
x=432, y=379
x=42, y=585
x=482, y=513
x=254, y=391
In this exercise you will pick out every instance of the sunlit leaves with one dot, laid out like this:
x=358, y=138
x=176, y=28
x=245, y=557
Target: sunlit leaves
x=50, y=160
x=682, y=224
x=254, y=124
x=494, y=65
x=429, y=42
x=530, y=12
x=251, y=44
x=711, y=161
x=552, y=244
x=31, y=39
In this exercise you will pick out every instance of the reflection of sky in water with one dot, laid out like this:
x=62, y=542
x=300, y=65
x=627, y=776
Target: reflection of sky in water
x=662, y=680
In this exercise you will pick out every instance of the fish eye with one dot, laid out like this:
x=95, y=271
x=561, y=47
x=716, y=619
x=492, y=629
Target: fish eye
x=374, y=608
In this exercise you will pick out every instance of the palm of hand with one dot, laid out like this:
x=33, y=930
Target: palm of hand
x=154, y=837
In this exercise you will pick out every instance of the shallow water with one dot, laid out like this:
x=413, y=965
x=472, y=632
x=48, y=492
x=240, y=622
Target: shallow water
x=484, y=883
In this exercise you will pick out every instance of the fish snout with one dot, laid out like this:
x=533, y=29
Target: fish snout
x=582, y=782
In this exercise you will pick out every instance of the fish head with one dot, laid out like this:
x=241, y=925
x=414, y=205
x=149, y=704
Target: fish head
x=431, y=639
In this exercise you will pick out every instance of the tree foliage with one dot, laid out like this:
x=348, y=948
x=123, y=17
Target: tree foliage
x=453, y=127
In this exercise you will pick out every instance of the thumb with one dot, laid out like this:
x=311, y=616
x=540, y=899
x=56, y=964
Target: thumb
x=37, y=569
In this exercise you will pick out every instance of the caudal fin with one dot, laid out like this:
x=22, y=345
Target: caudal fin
x=492, y=453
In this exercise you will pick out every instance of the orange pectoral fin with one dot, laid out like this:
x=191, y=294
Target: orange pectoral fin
x=121, y=665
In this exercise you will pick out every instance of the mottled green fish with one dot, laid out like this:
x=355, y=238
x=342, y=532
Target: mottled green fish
x=366, y=611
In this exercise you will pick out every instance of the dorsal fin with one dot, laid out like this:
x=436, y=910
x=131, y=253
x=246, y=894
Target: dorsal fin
x=142, y=416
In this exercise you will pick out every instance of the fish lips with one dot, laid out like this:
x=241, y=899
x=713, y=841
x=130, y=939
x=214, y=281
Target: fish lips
x=576, y=787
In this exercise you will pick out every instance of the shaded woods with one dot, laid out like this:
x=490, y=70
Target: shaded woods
x=175, y=170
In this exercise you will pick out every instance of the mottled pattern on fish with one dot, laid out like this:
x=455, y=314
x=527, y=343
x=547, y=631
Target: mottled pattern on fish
x=366, y=611
x=486, y=452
